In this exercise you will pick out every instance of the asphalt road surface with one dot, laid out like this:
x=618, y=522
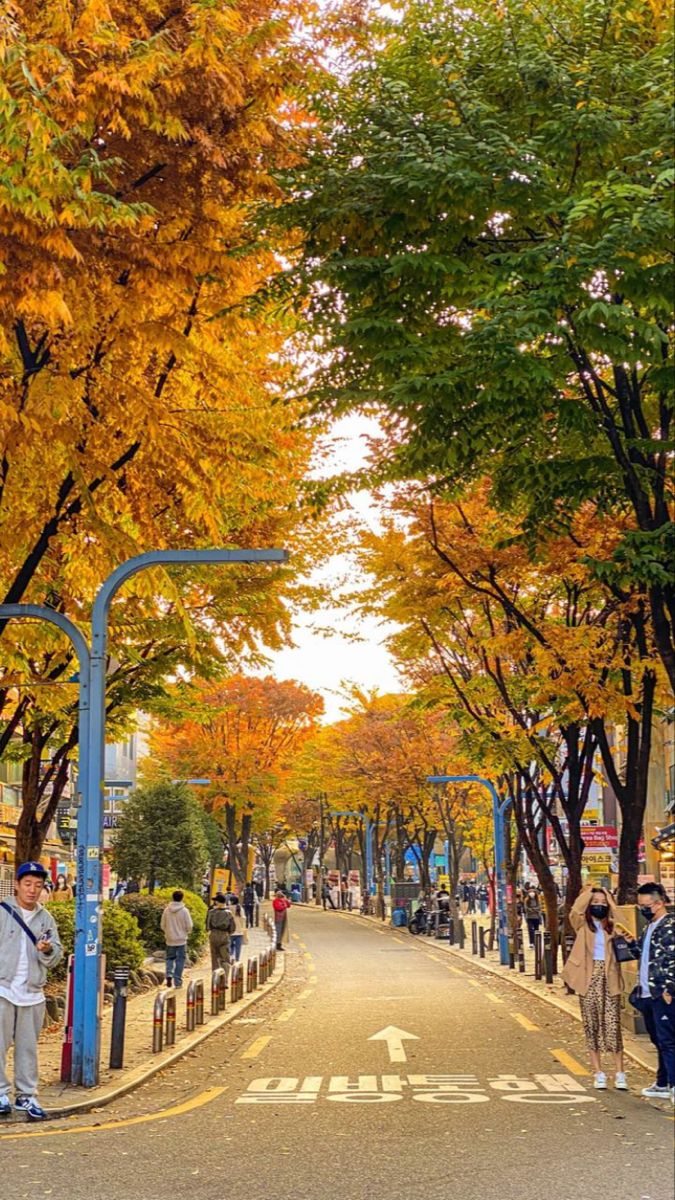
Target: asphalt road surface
x=377, y=1070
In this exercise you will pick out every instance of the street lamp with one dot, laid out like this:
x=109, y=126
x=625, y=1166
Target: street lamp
x=499, y=808
x=91, y=725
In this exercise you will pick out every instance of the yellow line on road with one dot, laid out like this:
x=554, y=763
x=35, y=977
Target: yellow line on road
x=176, y=1111
x=456, y=971
x=312, y=979
x=493, y=997
x=307, y=955
x=256, y=1047
x=296, y=936
x=303, y=944
x=433, y=957
x=525, y=1022
x=307, y=992
x=568, y=1061
x=286, y=1016
x=398, y=939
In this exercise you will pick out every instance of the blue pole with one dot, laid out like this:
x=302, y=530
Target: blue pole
x=369, y=857
x=38, y=612
x=499, y=809
x=387, y=868
x=91, y=817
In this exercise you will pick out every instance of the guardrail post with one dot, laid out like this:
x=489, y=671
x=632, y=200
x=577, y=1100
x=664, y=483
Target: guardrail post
x=474, y=937
x=119, y=1016
x=216, y=985
x=158, y=1023
x=548, y=957
x=190, y=1006
x=199, y=1001
x=538, y=954
x=170, y=1027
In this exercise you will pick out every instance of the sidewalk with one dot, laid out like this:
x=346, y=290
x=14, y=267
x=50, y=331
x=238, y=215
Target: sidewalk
x=637, y=1048
x=61, y=1099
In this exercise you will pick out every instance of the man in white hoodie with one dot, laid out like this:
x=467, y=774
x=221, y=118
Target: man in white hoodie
x=176, y=924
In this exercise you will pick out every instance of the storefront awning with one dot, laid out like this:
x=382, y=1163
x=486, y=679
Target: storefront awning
x=665, y=838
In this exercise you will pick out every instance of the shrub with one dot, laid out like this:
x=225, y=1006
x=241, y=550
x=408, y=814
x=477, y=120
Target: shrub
x=121, y=937
x=122, y=944
x=147, y=910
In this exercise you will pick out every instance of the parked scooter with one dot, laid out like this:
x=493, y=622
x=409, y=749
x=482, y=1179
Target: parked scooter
x=419, y=922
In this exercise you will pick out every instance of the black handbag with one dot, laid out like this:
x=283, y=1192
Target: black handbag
x=622, y=950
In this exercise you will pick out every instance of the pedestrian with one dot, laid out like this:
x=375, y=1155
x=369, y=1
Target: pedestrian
x=29, y=946
x=240, y=935
x=471, y=891
x=654, y=995
x=482, y=896
x=326, y=895
x=62, y=889
x=532, y=913
x=132, y=888
x=220, y=926
x=592, y=971
x=280, y=905
x=176, y=924
x=249, y=898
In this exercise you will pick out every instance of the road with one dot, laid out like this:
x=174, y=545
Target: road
x=472, y=1089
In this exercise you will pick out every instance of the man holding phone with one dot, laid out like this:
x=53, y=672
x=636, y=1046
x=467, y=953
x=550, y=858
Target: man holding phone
x=29, y=945
x=654, y=995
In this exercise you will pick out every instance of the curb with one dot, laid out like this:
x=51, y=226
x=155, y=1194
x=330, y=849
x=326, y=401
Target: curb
x=143, y=1074
x=518, y=982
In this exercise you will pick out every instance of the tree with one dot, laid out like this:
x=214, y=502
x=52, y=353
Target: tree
x=161, y=837
x=241, y=735
x=138, y=402
x=488, y=261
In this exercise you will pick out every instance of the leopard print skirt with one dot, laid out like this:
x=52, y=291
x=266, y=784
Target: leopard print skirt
x=601, y=1014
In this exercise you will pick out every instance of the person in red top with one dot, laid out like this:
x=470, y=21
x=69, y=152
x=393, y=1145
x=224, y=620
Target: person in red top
x=280, y=905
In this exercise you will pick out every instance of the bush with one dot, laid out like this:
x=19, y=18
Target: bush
x=148, y=912
x=122, y=944
x=121, y=937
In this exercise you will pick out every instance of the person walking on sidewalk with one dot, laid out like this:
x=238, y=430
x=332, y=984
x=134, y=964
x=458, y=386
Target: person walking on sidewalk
x=249, y=897
x=532, y=913
x=29, y=946
x=176, y=924
x=281, y=906
x=239, y=936
x=326, y=895
x=220, y=927
x=654, y=995
x=593, y=972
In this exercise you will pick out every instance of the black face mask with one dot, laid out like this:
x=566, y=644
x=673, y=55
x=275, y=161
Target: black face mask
x=599, y=910
x=646, y=912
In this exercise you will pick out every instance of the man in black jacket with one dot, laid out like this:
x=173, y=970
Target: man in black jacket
x=654, y=995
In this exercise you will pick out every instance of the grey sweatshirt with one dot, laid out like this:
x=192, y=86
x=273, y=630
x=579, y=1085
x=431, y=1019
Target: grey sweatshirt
x=176, y=923
x=42, y=925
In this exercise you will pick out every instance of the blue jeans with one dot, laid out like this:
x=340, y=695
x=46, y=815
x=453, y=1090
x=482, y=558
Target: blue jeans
x=236, y=940
x=175, y=964
x=660, y=1021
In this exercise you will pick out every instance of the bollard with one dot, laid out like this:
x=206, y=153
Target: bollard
x=240, y=982
x=538, y=954
x=119, y=1016
x=521, y=952
x=451, y=930
x=222, y=990
x=474, y=937
x=481, y=942
x=461, y=934
x=158, y=1023
x=190, y=1017
x=264, y=966
x=548, y=958
x=170, y=1026
x=218, y=980
x=234, y=982
x=199, y=1002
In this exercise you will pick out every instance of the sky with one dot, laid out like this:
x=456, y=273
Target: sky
x=328, y=663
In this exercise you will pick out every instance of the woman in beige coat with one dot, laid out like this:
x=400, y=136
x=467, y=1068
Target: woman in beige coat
x=595, y=975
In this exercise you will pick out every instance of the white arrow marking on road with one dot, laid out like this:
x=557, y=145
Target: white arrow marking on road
x=394, y=1038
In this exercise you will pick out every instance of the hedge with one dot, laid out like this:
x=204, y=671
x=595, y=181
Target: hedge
x=122, y=943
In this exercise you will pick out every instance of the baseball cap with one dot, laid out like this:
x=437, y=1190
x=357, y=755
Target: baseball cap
x=31, y=868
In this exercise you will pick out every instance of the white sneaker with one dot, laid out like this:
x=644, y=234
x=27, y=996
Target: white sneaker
x=620, y=1081
x=600, y=1081
x=656, y=1092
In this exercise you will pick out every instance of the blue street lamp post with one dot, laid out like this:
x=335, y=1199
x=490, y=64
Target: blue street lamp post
x=499, y=809
x=91, y=717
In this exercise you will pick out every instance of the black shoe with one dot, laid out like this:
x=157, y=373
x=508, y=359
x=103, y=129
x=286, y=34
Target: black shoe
x=169, y=983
